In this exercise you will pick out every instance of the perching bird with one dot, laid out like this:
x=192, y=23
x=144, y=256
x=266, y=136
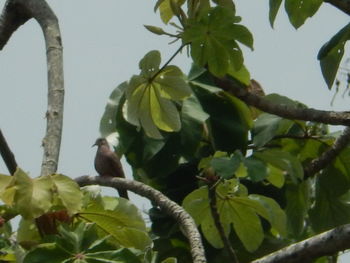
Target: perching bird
x=107, y=163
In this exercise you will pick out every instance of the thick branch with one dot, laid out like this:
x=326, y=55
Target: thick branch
x=12, y=17
x=216, y=217
x=168, y=206
x=325, y=244
x=328, y=156
x=343, y=5
x=7, y=155
x=15, y=13
x=285, y=111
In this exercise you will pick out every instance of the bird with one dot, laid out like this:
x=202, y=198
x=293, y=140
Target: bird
x=107, y=163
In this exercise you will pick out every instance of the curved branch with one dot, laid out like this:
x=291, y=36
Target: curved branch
x=321, y=162
x=170, y=207
x=7, y=155
x=343, y=5
x=216, y=218
x=285, y=111
x=325, y=244
x=15, y=13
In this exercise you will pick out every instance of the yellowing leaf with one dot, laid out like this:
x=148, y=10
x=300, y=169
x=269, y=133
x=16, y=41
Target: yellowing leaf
x=33, y=196
x=151, y=96
x=68, y=192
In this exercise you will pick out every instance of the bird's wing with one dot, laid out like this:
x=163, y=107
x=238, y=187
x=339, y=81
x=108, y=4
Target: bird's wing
x=115, y=164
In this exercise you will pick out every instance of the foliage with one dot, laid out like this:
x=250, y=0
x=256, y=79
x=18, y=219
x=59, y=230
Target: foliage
x=186, y=137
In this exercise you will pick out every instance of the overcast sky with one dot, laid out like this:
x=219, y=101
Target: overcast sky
x=103, y=42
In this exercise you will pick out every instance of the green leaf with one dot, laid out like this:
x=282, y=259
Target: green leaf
x=241, y=75
x=300, y=10
x=155, y=30
x=150, y=97
x=275, y=176
x=298, y=202
x=245, y=222
x=268, y=126
x=197, y=205
x=166, y=12
x=121, y=220
x=331, y=54
x=33, y=196
x=68, y=192
x=193, y=119
x=274, y=7
x=48, y=252
x=226, y=166
x=228, y=121
x=282, y=160
x=257, y=170
x=272, y=212
x=213, y=39
x=108, y=121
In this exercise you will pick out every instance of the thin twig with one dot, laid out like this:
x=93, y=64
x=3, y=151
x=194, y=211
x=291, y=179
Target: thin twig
x=7, y=155
x=328, y=156
x=171, y=208
x=216, y=217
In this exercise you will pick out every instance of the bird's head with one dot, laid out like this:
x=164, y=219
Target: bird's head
x=100, y=141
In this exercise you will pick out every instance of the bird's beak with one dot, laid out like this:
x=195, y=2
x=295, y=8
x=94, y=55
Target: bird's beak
x=94, y=145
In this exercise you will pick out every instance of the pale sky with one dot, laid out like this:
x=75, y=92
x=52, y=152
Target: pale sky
x=103, y=42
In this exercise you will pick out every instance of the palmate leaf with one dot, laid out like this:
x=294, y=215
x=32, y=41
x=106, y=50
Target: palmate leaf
x=120, y=219
x=79, y=243
x=151, y=96
x=237, y=209
x=213, y=39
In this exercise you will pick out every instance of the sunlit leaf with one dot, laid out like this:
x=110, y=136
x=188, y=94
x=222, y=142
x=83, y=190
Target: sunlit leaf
x=150, y=97
x=68, y=192
x=33, y=196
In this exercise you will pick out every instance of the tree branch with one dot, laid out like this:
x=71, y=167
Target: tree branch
x=170, y=207
x=15, y=13
x=325, y=244
x=216, y=218
x=343, y=5
x=328, y=156
x=7, y=155
x=285, y=111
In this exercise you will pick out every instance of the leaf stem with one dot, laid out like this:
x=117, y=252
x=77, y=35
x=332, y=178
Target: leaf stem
x=167, y=63
x=216, y=217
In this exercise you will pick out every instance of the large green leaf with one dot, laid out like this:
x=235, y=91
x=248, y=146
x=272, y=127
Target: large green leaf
x=238, y=209
x=284, y=161
x=298, y=203
x=331, y=207
x=300, y=10
x=150, y=97
x=193, y=119
x=108, y=121
x=120, y=219
x=229, y=121
x=79, y=243
x=68, y=192
x=331, y=54
x=33, y=196
x=213, y=39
